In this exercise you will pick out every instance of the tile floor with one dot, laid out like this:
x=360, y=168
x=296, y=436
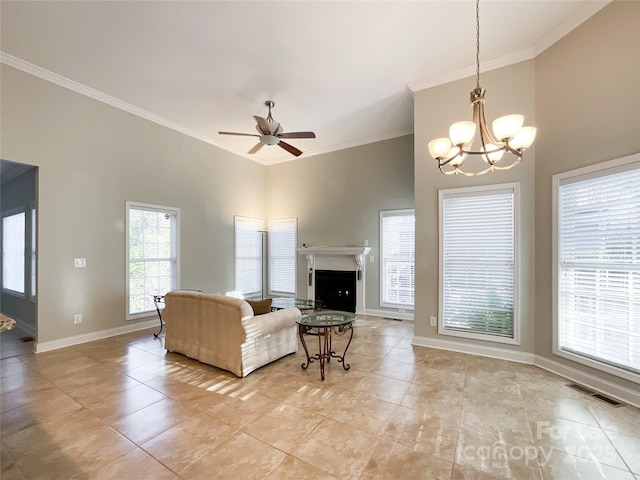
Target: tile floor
x=122, y=408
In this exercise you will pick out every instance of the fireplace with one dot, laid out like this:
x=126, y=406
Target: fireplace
x=336, y=289
x=348, y=261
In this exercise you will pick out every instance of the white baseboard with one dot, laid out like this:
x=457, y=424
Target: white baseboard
x=389, y=314
x=622, y=394
x=482, y=350
x=90, y=337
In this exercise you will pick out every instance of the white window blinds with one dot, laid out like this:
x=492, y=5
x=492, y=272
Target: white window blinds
x=599, y=267
x=397, y=253
x=13, y=249
x=248, y=255
x=478, y=262
x=152, y=255
x=282, y=256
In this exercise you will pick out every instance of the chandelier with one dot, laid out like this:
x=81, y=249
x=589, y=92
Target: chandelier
x=509, y=136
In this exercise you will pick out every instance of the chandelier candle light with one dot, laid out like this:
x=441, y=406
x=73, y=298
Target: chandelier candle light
x=508, y=134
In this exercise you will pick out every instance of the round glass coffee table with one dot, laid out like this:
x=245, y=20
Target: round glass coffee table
x=323, y=325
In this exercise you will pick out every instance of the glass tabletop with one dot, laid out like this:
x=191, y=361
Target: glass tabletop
x=302, y=303
x=326, y=319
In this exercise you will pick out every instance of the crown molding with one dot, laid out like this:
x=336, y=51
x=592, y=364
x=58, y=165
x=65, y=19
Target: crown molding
x=105, y=98
x=589, y=9
x=449, y=77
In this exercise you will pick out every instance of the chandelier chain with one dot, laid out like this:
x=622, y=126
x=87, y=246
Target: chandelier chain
x=478, y=44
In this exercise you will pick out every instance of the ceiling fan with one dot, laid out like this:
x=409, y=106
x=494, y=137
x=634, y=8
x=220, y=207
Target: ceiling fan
x=271, y=133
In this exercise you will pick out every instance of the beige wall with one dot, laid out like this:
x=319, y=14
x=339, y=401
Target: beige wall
x=337, y=199
x=583, y=95
x=509, y=90
x=588, y=111
x=93, y=158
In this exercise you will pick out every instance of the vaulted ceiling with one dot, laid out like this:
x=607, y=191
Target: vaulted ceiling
x=343, y=69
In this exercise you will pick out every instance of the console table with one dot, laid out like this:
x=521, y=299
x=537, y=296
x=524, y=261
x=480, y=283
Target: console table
x=323, y=325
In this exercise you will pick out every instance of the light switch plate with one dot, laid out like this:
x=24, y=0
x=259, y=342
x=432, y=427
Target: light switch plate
x=79, y=262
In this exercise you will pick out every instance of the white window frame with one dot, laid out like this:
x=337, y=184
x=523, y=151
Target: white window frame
x=174, y=258
x=5, y=289
x=284, y=225
x=592, y=171
x=34, y=253
x=480, y=191
x=258, y=225
x=384, y=258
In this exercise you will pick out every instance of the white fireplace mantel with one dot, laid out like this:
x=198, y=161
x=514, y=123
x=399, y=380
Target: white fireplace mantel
x=337, y=258
x=357, y=252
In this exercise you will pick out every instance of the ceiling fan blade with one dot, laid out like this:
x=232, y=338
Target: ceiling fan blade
x=298, y=135
x=290, y=148
x=256, y=147
x=241, y=134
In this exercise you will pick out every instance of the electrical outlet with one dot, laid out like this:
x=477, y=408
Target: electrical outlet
x=77, y=318
x=79, y=262
x=371, y=259
x=433, y=321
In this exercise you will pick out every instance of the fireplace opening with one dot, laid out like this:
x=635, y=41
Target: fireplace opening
x=336, y=289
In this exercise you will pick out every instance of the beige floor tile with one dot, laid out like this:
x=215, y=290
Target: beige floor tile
x=338, y=449
x=237, y=406
x=240, y=457
x=391, y=461
x=123, y=407
x=293, y=469
x=432, y=433
x=360, y=410
x=502, y=416
x=383, y=388
x=575, y=439
x=151, y=421
x=46, y=405
x=393, y=369
x=421, y=397
x=628, y=448
x=538, y=403
x=135, y=465
x=561, y=466
x=497, y=452
x=465, y=473
x=72, y=447
x=112, y=406
x=283, y=426
x=623, y=420
x=186, y=443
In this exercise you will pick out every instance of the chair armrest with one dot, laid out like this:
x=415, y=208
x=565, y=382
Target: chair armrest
x=270, y=322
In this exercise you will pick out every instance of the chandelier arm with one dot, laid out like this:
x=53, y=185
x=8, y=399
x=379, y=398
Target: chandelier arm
x=457, y=171
x=511, y=165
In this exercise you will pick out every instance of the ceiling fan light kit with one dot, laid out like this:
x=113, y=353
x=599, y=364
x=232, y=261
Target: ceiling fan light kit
x=271, y=133
x=509, y=136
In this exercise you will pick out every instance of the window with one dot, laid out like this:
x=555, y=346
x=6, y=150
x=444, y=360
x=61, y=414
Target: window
x=13, y=250
x=397, y=254
x=282, y=256
x=249, y=241
x=597, y=266
x=478, y=263
x=152, y=255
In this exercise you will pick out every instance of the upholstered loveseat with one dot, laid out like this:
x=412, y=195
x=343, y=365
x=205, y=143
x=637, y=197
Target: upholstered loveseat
x=224, y=332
